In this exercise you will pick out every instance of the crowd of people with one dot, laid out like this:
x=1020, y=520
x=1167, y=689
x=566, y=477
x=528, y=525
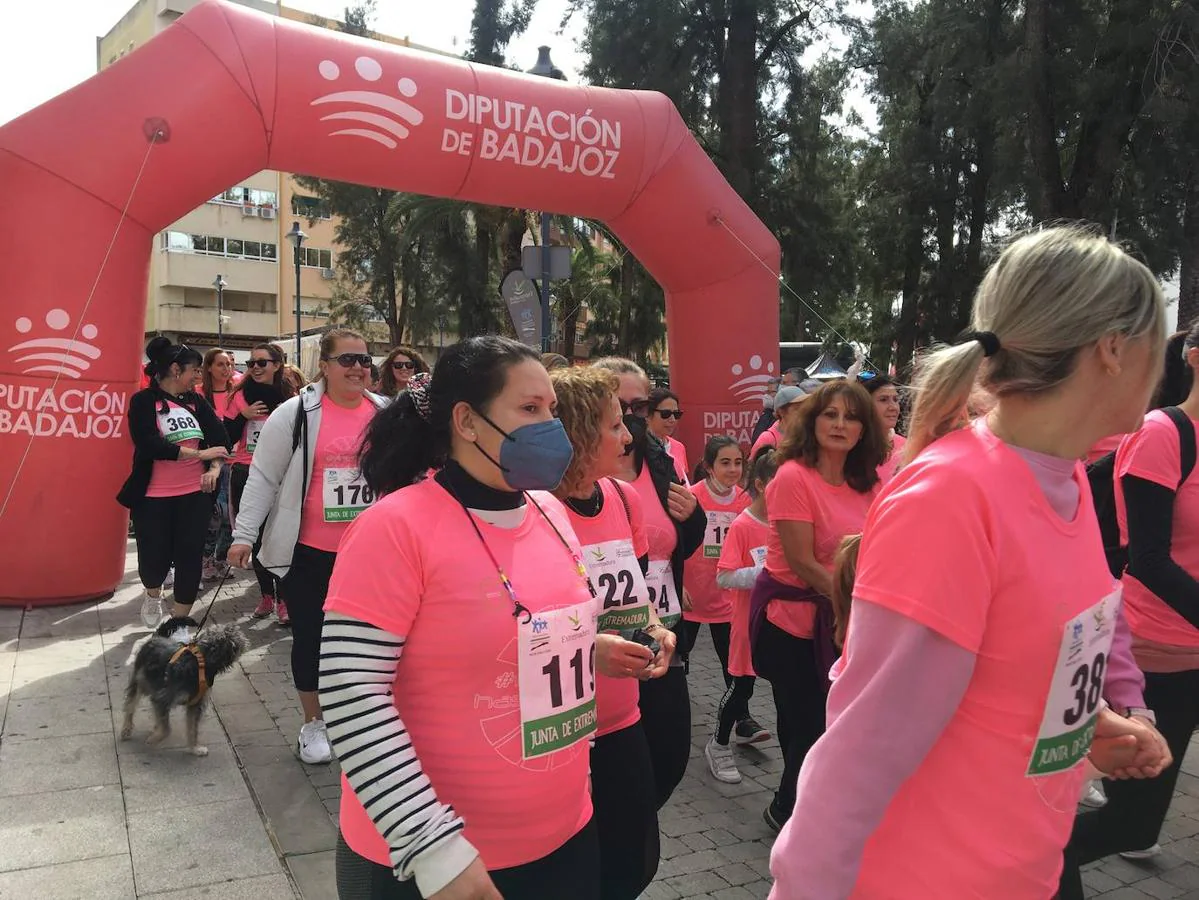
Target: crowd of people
x=496, y=574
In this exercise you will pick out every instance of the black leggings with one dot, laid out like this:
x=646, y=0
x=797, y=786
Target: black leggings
x=306, y=585
x=789, y=664
x=720, y=640
x=237, y=486
x=1136, y=809
x=569, y=873
x=666, y=719
x=171, y=531
x=734, y=706
x=626, y=814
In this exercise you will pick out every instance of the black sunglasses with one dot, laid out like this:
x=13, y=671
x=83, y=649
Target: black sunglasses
x=637, y=407
x=670, y=413
x=348, y=360
x=396, y=364
x=260, y=363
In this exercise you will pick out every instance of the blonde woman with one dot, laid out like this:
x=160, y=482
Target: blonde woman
x=983, y=610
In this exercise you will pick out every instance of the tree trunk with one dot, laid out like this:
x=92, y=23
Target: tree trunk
x=1188, y=287
x=737, y=103
x=628, y=277
x=1047, y=198
x=568, y=331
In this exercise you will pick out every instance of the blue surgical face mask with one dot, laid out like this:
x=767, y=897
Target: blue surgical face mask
x=533, y=457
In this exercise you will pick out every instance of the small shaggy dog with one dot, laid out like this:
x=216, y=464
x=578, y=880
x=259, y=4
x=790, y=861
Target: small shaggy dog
x=168, y=673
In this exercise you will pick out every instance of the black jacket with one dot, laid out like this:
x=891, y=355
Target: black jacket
x=149, y=444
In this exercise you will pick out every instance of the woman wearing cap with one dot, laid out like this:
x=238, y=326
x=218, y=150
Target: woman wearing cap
x=303, y=491
x=983, y=610
x=457, y=664
x=787, y=404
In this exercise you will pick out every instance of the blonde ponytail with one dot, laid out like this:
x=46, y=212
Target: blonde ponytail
x=945, y=377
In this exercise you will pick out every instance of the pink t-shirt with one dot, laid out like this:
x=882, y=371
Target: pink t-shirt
x=1104, y=447
x=798, y=494
x=219, y=401
x=336, y=494
x=243, y=453
x=176, y=477
x=768, y=438
x=679, y=454
x=615, y=698
x=1154, y=454
x=708, y=602
x=744, y=546
x=964, y=542
x=660, y=532
x=413, y=565
x=891, y=464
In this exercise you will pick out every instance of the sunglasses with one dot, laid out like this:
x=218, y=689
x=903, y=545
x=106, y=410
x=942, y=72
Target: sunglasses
x=670, y=413
x=261, y=363
x=396, y=364
x=348, y=360
x=637, y=407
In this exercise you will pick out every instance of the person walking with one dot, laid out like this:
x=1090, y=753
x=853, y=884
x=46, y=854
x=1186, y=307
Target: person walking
x=663, y=419
x=216, y=386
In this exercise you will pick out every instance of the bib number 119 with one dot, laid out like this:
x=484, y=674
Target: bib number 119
x=553, y=671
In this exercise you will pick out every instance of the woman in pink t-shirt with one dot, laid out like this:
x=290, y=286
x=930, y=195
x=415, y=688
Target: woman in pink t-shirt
x=216, y=386
x=457, y=662
x=983, y=611
x=303, y=491
x=885, y=394
x=610, y=525
x=663, y=421
x=178, y=449
x=826, y=481
x=254, y=399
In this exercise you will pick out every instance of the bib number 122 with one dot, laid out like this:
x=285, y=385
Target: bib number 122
x=1087, y=682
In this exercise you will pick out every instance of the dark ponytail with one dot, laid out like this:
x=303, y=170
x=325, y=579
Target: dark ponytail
x=716, y=443
x=163, y=354
x=402, y=444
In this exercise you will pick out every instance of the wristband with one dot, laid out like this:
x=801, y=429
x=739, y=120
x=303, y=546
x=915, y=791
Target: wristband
x=1141, y=713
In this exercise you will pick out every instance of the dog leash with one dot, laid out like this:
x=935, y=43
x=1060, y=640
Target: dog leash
x=212, y=602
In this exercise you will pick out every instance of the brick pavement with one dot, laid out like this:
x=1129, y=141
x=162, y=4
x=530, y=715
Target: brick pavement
x=715, y=845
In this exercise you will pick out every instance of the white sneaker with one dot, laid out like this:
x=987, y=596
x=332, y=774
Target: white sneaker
x=1147, y=853
x=1093, y=795
x=169, y=581
x=314, y=743
x=721, y=762
x=153, y=611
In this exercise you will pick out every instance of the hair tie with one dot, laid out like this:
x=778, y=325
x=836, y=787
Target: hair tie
x=418, y=392
x=988, y=339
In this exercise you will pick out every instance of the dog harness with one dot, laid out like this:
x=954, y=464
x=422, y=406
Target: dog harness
x=194, y=650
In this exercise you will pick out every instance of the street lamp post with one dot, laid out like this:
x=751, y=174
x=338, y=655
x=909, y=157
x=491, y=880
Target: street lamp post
x=296, y=236
x=220, y=284
x=546, y=69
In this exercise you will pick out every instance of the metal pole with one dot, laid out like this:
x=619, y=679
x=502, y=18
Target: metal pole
x=220, y=309
x=545, y=282
x=297, y=257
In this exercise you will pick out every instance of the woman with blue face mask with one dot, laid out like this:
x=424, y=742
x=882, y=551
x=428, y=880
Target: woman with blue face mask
x=459, y=653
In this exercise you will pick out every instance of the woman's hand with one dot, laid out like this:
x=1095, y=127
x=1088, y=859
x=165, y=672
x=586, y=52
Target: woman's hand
x=209, y=480
x=472, y=883
x=680, y=502
x=255, y=410
x=617, y=658
x=211, y=453
x=685, y=601
x=667, y=641
x=1128, y=748
x=239, y=556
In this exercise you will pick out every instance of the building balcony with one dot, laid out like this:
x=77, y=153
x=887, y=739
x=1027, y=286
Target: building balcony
x=202, y=320
x=194, y=270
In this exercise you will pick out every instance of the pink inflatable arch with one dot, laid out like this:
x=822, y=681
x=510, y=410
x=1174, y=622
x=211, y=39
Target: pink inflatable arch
x=226, y=92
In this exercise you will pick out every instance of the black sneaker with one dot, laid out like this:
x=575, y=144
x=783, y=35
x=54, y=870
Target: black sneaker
x=748, y=731
x=774, y=821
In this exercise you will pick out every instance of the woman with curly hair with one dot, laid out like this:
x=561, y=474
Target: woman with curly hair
x=399, y=367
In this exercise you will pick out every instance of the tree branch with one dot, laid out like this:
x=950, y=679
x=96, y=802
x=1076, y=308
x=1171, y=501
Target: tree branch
x=780, y=34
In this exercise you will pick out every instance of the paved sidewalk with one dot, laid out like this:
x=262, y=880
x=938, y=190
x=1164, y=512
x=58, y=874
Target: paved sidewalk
x=84, y=816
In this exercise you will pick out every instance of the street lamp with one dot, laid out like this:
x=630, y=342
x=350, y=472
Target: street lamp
x=296, y=236
x=220, y=284
x=546, y=69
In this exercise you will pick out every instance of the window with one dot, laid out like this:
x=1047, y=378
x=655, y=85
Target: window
x=244, y=196
x=309, y=207
x=315, y=258
x=209, y=245
x=262, y=198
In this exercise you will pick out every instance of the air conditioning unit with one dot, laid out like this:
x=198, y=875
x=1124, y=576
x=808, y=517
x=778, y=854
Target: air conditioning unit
x=267, y=212
x=328, y=274
x=249, y=210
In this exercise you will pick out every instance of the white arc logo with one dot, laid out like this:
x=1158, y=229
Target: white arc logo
x=55, y=355
x=384, y=112
x=752, y=387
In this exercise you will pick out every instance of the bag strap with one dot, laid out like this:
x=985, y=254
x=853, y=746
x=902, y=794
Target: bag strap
x=628, y=514
x=1186, y=442
x=299, y=430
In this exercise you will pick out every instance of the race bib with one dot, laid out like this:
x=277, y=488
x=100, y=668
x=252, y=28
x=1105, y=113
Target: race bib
x=758, y=555
x=556, y=652
x=623, y=596
x=662, y=594
x=346, y=494
x=253, y=430
x=1068, y=723
x=718, y=528
x=178, y=425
